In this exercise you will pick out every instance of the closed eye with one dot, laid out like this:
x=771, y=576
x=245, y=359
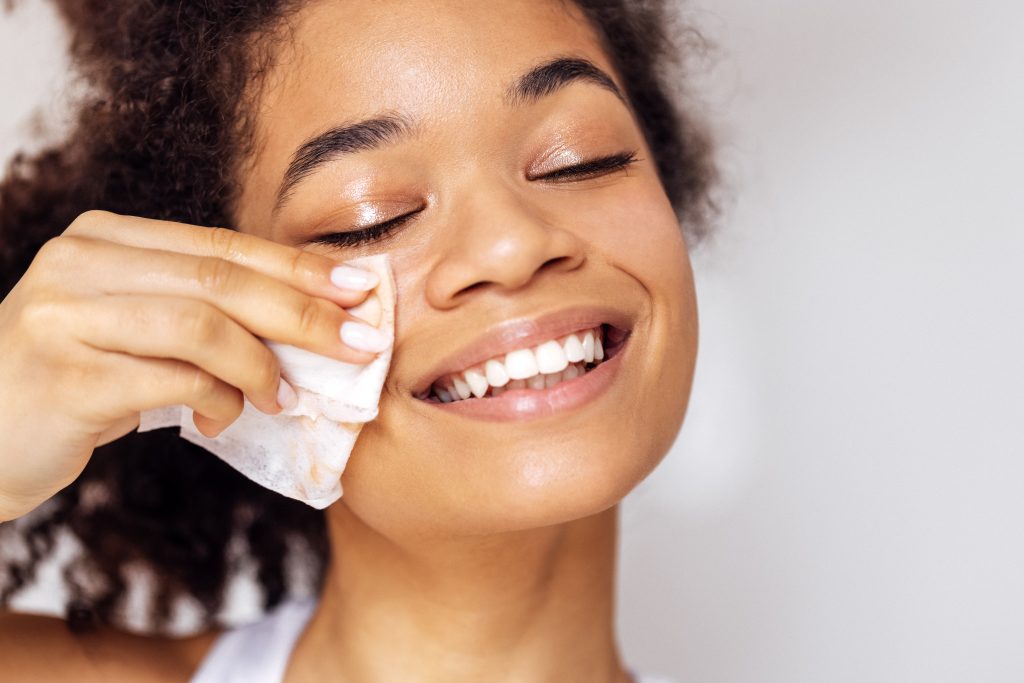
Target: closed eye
x=374, y=233
x=592, y=168
x=371, y=233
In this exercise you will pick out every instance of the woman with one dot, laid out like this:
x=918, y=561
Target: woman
x=526, y=172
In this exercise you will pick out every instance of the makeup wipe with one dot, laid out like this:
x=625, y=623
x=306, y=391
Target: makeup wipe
x=301, y=453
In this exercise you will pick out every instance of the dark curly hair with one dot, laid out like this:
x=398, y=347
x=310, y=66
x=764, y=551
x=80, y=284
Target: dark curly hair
x=159, y=134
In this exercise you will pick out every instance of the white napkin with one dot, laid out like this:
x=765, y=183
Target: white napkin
x=301, y=453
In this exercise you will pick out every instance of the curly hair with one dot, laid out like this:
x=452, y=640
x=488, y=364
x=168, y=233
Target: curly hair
x=160, y=133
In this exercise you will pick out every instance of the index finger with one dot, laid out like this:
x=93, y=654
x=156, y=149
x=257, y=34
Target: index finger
x=306, y=271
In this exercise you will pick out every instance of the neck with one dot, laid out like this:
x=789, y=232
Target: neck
x=535, y=605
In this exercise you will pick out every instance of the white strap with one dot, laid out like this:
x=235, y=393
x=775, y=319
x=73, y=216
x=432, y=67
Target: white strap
x=257, y=652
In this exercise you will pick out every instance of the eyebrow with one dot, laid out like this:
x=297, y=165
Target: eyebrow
x=556, y=74
x=347, y=139
x=374, y=133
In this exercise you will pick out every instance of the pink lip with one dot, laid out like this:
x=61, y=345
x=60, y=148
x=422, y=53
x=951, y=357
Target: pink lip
x=526, y=332
x=528, y=404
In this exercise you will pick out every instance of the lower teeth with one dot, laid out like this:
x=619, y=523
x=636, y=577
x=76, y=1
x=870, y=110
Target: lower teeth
x=493, y=392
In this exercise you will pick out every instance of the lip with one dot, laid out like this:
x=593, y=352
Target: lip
x=524, y=333
x=528, y=404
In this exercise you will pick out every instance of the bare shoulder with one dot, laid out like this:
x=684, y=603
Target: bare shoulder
x=36, y=647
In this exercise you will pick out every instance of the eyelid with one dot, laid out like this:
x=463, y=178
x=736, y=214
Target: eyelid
x=562, y=157
x=592, y=167
x=373, y=213
x=367, y=235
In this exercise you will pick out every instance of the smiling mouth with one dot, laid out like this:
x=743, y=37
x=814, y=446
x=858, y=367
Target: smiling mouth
x=535, y=368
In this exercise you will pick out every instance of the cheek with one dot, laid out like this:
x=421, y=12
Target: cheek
x=640, y=234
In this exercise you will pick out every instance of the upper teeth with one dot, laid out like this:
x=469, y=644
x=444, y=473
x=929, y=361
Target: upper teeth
x=538, y=364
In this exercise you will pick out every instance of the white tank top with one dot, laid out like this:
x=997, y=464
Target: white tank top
x=259, y=652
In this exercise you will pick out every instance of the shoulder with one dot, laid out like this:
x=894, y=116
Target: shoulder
x=36, y=647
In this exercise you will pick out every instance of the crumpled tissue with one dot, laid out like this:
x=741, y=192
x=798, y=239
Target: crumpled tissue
x=301, y=453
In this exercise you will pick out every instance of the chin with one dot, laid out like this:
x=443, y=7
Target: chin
x=571, y=483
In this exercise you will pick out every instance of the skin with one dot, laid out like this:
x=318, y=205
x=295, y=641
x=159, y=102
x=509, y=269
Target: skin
x=479, y=550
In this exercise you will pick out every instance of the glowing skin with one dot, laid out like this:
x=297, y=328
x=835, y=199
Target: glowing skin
x=480, y=550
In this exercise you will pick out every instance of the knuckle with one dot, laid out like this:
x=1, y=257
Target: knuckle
x=304, y=265
x=41, y=318
x=216, y=275
x=223, y=242
x=200, y=324
x=310, y=317
x=89, y=221
x=193, y=381
x=60, y=251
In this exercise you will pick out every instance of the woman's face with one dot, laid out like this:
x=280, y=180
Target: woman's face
x=507, y=248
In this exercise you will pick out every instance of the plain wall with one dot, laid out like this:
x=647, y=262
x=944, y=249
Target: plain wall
x=845, y=501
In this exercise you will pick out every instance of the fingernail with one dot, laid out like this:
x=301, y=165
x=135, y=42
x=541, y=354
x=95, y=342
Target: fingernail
x=360, y=280
x=286, y=396
x=363, y=337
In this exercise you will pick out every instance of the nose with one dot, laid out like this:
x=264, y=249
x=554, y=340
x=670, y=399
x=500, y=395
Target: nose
x=498, y=240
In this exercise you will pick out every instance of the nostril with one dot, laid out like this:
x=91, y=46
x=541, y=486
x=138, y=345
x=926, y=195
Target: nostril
x=556, y=260
x=473, y=287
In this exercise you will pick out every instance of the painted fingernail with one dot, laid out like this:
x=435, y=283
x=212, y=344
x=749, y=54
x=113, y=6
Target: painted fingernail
x=347, y=277
x=363, y=337
x=286, y=396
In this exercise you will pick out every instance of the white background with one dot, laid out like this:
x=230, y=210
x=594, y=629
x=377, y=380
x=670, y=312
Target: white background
x=845, y=501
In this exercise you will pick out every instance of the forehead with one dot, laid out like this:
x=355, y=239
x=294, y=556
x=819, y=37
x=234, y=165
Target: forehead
x=442, y=63
x=360, y=55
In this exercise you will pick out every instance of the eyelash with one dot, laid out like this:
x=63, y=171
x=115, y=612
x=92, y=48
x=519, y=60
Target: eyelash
x=593, y=168
x=374, y=233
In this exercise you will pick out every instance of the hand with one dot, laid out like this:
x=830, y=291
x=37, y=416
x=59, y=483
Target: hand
x=122, y=314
